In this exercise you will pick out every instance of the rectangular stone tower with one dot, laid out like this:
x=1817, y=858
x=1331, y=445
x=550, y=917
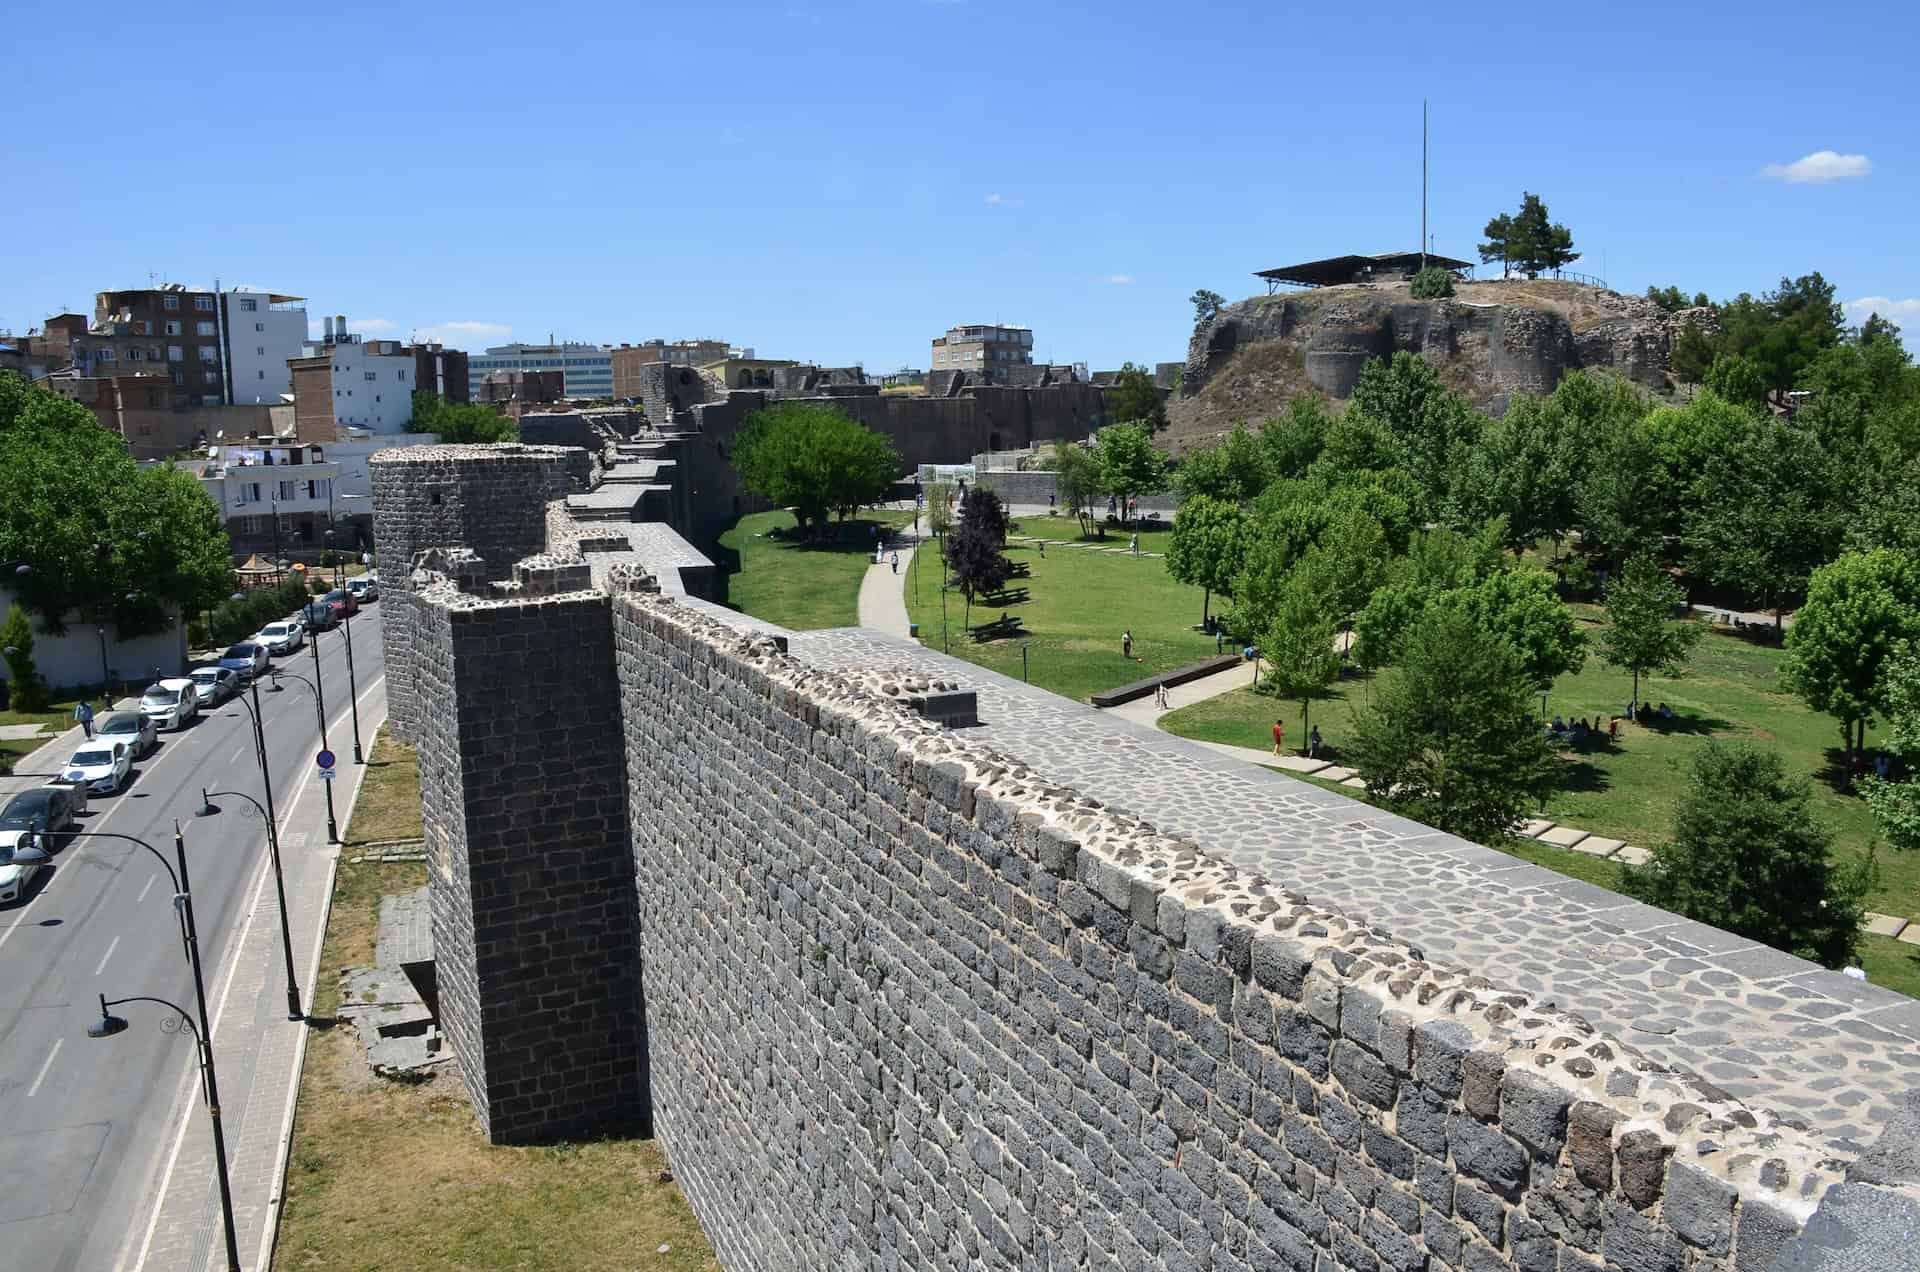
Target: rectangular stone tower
x=534, y=915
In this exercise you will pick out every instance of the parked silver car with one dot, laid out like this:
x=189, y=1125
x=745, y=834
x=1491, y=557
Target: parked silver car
x=247, y=659
x=283, y=637
x=171, y=703
x=214, y=685
x=132, y=728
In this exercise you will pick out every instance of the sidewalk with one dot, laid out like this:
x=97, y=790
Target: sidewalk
x=258, y=1045
x=883, y=594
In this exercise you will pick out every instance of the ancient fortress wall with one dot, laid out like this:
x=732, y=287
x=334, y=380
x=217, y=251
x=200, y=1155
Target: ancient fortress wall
x=903, y=996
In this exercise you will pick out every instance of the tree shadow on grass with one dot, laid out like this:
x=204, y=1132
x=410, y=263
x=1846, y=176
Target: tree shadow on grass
x=1579, y=774
x=1836, y=772
x=1688, y=724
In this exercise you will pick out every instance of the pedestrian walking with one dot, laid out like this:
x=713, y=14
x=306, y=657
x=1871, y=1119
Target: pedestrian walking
x=84, y=714
x=1160, y=698
x=1049, y=503
x=1043, y=547
x=1126, y=644
x=896, y=563
x=1279, y=738
x=1313, y=743
x=1134, y=546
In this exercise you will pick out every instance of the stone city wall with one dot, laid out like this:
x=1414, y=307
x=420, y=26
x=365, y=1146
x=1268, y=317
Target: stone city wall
x=489, y=499
x=911, y=1004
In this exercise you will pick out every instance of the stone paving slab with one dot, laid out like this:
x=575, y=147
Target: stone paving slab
x=1885, y=924
x=1334, y=773
x=1534, y=827
x=1911, y=935
x=1784, y=1034
x=21, y=732
x=1597, y=846
x=1562, y=836
x=1298, y=763
x=1633, y=856
x=1355, y=782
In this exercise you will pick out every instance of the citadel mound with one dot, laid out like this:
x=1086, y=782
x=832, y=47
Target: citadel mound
x=1490, y=340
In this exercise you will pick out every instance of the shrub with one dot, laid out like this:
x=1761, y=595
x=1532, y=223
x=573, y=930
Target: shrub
x=29, y=691
x=1432, y=283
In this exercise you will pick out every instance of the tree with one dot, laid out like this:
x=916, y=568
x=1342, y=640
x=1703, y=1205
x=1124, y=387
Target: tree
x=976, y=550
x=1520, y=470
x=1293, y=441
x=1737, y=379
x=1233, y=469
x=1673, y=300
x=1128, y=463
x=1076, y=479
x=29, y=691
x=1748, y=855
x=815, y=460
x=1297, y=643
x=1206, y=306
x=1432, y=283
x=1527, y=240
x=1620, y=498
x=1136, y=399
x=1896, y=805
x=939, y=495
x=1692, y=354
x=1430, y=422
x=1642, y=635
x=1499, y=234
x=1206, y=547
x=1521, y=610
x=98, y=534
x=1877, y=330
x=1451, y=739
x=1782, y=332
x=1766, y=513
x=1861, y=610
x=458, y=423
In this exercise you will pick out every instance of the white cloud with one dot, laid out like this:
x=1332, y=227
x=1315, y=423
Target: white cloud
x=1903, y=313
x=998, y=200
x=1120, y=280
x=464, y=332
x=1818, y=168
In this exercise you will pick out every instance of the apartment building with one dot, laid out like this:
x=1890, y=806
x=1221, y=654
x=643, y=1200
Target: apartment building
x=628, y=359
x=215, y=347
x=985, y=352
x=588, y=369
x=272, y=494
x=342, y=382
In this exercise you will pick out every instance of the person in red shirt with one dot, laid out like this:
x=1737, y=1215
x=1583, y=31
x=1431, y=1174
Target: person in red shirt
x=1279, y=737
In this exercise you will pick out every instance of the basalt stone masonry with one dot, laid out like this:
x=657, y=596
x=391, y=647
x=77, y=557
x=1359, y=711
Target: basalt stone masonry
x=914, y=999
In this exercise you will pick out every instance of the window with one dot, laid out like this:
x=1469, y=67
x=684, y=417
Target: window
x=259, y=375
x=250, y=492
x=173, y=327
x=103, y=355
x=179, y=377
x=368, y=374
x=202, y=328
x=259, y=326
x=289, y=490
x=170, y=302
x=143, y=328
x=249, y=306
x=402, y=375
x=211, y=377
x=133, y=355
x=209, y=354
x=203, y=303
x=176, y=354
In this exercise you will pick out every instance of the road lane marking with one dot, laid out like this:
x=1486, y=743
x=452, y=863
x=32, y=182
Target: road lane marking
x=143, y=892
x=114, y=945
x=46, y=1065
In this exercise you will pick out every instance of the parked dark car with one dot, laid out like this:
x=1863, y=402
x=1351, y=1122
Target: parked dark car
x=320, y=617
x=45, y=810
x=344, y=601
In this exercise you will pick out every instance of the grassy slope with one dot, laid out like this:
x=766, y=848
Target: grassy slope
x=798, y=587
x=1078, y=604
x=387, y=1174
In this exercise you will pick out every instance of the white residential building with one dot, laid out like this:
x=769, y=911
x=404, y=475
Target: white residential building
x=372, y=382
x=263, y=330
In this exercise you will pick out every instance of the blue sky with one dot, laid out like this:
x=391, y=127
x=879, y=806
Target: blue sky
x=842, y=181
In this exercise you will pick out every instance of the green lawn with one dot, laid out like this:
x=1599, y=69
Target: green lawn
x=796, y=586
x=1077, y=605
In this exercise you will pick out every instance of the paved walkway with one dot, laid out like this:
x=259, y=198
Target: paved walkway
x=883, y=594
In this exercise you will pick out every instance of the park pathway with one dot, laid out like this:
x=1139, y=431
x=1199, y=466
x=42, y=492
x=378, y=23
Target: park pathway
x=883, y=594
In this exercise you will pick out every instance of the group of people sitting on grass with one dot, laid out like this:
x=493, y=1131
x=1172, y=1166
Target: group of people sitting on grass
x=1581, y=729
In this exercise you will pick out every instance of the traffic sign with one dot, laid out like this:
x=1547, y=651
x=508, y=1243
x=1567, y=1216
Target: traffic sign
x=327, y=775
x=325, y=759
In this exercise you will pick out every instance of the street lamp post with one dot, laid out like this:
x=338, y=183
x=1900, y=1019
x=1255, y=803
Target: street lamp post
x=346, y=625
x=108, y=1025
x=209, y=809
x=333, y=828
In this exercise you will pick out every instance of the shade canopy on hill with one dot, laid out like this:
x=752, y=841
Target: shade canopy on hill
x=1335, y=271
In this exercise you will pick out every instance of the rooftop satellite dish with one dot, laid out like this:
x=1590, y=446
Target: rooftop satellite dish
x=219, y=433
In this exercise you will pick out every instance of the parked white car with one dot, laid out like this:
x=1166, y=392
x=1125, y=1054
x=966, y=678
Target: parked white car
x=171, y=703
x=214, y=685
x=18, y=866
x=365, y=588
x=102, y=767
x=282, y=637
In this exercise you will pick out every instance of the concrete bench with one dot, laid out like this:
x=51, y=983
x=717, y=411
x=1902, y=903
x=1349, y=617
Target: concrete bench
x=1178, y=676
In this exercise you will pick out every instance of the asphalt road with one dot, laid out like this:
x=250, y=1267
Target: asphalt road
x=83, y=1122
